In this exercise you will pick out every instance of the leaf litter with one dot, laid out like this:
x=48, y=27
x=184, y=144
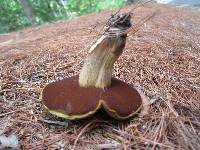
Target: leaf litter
x=163, y=58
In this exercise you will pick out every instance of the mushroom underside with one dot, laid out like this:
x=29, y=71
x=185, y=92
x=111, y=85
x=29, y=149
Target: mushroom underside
x=65, y=98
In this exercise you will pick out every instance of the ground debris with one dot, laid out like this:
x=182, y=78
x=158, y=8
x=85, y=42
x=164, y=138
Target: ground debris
x=163, y=58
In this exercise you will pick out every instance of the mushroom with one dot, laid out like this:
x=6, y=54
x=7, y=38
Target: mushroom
x=80, y=96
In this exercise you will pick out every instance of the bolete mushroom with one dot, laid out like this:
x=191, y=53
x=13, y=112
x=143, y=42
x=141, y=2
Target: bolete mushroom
x=81, y=96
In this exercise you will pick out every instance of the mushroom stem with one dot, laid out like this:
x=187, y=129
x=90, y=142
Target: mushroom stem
x=98, y=66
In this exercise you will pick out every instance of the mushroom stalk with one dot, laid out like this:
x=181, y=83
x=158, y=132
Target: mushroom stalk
x=98, y=66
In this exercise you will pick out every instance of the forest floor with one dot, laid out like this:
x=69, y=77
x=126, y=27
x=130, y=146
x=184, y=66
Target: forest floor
x=162, y=59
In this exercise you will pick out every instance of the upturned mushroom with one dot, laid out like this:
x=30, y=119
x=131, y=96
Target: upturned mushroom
x=80, y=96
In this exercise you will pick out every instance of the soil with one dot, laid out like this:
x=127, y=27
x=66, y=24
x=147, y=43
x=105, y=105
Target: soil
x=162, y=59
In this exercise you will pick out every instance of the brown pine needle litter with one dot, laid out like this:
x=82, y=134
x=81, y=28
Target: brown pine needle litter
x=163, y=58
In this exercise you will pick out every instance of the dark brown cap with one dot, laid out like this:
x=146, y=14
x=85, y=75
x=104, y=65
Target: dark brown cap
x=65, y=98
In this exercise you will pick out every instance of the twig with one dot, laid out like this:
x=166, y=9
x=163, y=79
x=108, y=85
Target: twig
x=109, y=146
x=8, y=113
x=60, y=123
x=82, y=131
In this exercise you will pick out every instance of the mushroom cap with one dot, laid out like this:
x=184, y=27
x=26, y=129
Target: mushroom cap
x=65, y=98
